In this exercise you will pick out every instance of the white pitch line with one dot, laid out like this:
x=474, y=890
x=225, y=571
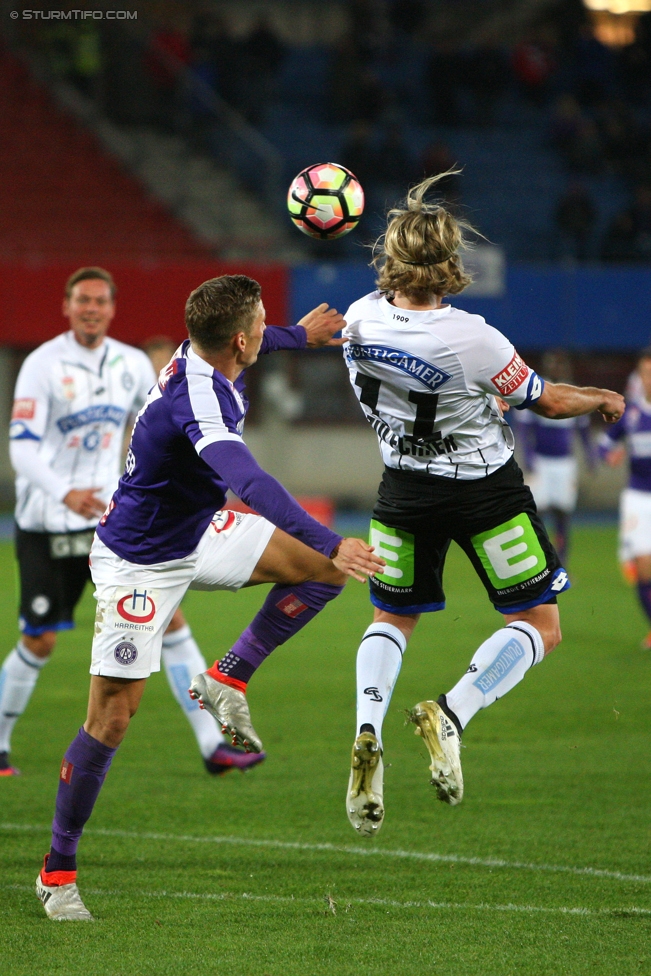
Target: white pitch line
x=345, y=903
x=350, y=849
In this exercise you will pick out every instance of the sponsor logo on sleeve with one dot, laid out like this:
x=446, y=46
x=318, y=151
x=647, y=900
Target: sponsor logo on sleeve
x=511, y=377
x=291, y=606
x=23, y=409
x=126, y=653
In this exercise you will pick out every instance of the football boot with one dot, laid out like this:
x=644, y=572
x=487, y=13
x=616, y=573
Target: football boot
x=443, y=743
x=62, y=902
x=364, y=802
x=229, y=706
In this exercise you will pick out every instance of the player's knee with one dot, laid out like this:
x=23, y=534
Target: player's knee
x=41, y=645
x=552, y=637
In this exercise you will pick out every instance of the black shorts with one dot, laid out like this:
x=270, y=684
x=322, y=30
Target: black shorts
x=493, y=519
x=53, y=573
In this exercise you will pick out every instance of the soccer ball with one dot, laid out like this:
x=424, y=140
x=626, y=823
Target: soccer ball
x=325, y=201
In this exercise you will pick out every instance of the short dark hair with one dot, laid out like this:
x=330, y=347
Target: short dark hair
x=90, y=274
x=220, y=308
x=644, y=354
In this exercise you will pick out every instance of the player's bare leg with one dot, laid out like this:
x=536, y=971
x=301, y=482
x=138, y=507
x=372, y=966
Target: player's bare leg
x=18, y=676
x=498, y=665
x=379, y=659
x=112, y=704
x=305, y=582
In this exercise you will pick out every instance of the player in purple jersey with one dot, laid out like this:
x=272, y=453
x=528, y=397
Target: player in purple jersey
x=549, y=449
x=632, y=435
x=165, y=531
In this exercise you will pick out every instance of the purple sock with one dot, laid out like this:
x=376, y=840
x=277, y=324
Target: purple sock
x=83, y=771
x=644, y=593
x=285, y=611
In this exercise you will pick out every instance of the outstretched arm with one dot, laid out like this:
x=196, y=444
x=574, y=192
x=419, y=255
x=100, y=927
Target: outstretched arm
x=314, y=330
x=233, y=461
x=560, y=400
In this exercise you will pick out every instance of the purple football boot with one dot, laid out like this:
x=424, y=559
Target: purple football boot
x=227, y=757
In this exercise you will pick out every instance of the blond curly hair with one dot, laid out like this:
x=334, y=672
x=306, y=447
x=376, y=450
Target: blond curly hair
x=418, y=253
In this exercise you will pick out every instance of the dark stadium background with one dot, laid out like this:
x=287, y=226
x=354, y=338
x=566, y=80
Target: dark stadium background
x=158, y=139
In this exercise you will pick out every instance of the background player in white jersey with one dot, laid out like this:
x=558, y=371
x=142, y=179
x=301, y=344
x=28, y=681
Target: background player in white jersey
x=427, y=376
x=73, y=398
x=632, y=435
x=549, y=450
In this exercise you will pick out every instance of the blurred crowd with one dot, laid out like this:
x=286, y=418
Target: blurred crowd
x=389, y=74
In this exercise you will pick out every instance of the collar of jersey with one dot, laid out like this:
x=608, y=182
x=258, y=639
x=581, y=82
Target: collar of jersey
x=199, y=365
x=427, y=315
x=91, y=359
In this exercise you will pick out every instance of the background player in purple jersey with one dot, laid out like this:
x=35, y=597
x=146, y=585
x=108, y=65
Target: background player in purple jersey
x=165, y=531
x=549, y=449
x=632, y=435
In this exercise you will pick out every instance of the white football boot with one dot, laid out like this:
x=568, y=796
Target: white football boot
x=229, y=706
x=62, y=903
x=443, y=743
x=364, y=804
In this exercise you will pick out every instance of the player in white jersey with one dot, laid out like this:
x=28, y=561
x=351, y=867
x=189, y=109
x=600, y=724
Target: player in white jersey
x=427, y=376
x=73, y=398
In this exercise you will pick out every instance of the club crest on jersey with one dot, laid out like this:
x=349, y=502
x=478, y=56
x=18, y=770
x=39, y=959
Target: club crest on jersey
x=509, y=379
x=430, y=376
x=137, y=607
x=68, y=383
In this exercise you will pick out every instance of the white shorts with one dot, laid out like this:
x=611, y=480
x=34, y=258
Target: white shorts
x=555, y=483
x=634, y=524
x=135, y=603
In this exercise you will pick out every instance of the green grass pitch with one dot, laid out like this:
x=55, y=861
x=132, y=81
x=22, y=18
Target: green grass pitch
x=543, y=869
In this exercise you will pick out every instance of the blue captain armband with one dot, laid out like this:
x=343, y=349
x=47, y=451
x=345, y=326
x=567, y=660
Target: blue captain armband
x=534, y=391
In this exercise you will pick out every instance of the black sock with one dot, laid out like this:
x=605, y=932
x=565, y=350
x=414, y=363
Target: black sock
x=60, y=862
x=235, y=667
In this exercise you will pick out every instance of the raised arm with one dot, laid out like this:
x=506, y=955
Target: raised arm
x=560, y=400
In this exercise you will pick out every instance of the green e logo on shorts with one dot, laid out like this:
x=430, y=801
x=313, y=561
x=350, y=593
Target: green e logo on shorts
x=510, y=552
x=396, y=547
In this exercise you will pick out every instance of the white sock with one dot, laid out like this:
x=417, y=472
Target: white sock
x=18, y=677
x=498, y=665
x=379, y=659
x=182, y=659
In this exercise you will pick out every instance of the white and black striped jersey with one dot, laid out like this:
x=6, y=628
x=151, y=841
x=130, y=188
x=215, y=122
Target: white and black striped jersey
x=427, y=383
x=67, y=430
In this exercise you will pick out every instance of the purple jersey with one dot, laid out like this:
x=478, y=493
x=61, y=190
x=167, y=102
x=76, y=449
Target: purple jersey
x=186, y=450
x=635, y=428
x=552, y=438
